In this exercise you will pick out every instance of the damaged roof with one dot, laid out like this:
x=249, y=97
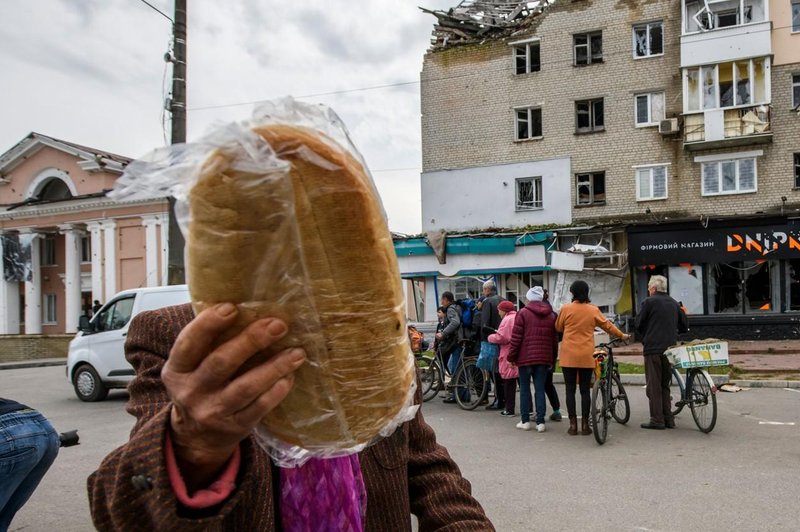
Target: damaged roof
x=475, y=20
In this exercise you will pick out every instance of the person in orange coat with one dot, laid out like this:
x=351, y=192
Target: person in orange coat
x=577, y=320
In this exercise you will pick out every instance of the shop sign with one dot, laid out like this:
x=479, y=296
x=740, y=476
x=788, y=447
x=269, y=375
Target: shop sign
x=715, y=245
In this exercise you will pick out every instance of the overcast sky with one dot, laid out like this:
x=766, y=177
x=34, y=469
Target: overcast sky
x=92, y=72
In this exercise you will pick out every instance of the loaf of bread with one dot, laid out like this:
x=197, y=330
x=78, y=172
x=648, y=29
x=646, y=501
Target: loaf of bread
x=304, y=238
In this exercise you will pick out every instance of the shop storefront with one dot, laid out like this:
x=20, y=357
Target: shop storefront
x=738, y=279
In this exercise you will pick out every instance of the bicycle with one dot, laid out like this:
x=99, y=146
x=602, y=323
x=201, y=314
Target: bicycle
x=430, y=374
x=471, y=386
x=700, y=393
x=608, y=395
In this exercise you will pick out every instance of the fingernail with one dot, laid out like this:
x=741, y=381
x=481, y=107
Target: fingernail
x=297, y=356
x=276, y=328
x=226, y=309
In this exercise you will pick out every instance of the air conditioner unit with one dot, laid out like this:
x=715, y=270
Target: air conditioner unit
x=668, y=126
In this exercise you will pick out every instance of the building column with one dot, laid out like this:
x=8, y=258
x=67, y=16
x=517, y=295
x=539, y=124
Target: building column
x=164, y=220
x=72, y=276
x=33, y=286
x=98, y=293
x=110, y=257
x=9, y=301
x=151, y=249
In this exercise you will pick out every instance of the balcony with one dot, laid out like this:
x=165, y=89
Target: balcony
x=727, y=128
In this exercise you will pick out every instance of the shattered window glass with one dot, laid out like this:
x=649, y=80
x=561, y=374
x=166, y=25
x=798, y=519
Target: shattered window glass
x=693, y=89
x=726, y=85
x=584, y=189
x=710, y=178
x=729, y=176
x=535, y=63
x=597, y=48
x=523, y=131
x=583, y=115
x=597, y=114
x=536, y=122
x=747, y=174
x=520, y=59
x=796, y=15
x=599, y=187
x=742, y=69
x=709, y=87
x=529, y=193
x=648, y=39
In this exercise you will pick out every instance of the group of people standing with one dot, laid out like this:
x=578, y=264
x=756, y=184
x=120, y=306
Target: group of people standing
x=534, y=338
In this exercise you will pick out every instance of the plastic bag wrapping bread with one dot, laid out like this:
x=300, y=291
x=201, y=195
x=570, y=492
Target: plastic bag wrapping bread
x=281, y=217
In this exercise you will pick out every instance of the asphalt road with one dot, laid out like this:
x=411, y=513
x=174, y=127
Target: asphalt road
x=742, y=476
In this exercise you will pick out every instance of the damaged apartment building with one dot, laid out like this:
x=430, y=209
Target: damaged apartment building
x=611, y=140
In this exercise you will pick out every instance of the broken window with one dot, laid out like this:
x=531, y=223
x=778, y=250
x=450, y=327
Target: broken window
x=527, y=58
x=529, y=194
x=704, y=15
x=727, y=85
x=743, y=287
x=797, y=170
x=649, y=109
x=591, y=188
x=796, y=15
x=795, y=89
x=588, y=48
x=589, y=115
x=528, y=123
x=648, y=39
x=651, y=183
x=793, y=283
x=729, y=177
x=686, y=286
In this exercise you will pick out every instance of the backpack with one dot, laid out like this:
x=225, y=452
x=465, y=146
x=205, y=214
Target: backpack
x=416, y=338
x=466, y=310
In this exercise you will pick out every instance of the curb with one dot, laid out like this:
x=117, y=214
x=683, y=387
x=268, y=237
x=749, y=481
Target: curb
x=32, y=364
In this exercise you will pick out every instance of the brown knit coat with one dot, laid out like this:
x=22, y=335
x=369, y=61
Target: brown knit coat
x=404, y=474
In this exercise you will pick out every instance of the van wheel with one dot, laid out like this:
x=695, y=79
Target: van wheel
x=88, y=386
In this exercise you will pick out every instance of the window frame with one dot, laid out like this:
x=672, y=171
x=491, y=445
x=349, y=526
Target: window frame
x=646, y=26
x=593, y=128
x=796, y=90
x=48, y=251
x=795, y=3
x=714, y=69
x=651, y=168
x=796, y=169
x=85, y=247
x=538, y=196
x=529, y=109
x=650, y=122
x=591, y=180
x=719, y=163
x=49, y=306
x=526, y=45
x=589, y=56
x=740, y=11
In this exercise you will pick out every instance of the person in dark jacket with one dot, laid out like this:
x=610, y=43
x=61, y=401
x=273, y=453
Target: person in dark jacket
x=659, y=321
x=534, y=347
x=449, y=337
x=490, y=318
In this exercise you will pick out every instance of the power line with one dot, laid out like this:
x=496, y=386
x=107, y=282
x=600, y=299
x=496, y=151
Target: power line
x=154, y=8
x=624, y=51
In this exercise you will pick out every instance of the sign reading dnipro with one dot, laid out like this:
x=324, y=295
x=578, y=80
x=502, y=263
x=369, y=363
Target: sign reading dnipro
x=715, y=245
x=698, y=355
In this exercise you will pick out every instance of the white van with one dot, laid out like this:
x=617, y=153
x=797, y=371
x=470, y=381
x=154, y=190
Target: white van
x=96, y=360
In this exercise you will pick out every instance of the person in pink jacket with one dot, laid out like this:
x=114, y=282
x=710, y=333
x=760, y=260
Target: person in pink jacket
x=508, y=371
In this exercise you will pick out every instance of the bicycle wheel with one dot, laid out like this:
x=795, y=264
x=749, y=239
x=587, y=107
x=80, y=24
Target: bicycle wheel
x=429, y=377
x=702, y=402
x=470, y=385
x=678, y=405
x=620, y=406
x=600, y=411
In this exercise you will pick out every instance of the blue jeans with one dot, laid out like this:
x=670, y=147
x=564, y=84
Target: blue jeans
x=539, y=375
x=28, y=445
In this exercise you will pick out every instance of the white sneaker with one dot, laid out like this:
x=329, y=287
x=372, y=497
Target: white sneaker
x=540, y=427
x=524, y=426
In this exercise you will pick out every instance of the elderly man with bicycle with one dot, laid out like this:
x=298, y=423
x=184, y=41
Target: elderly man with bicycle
x=659, y=321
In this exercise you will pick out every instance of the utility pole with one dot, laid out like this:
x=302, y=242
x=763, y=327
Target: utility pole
x=177, y=107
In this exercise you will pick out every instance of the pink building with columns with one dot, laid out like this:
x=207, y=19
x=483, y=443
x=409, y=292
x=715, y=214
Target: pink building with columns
x=64, y=243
